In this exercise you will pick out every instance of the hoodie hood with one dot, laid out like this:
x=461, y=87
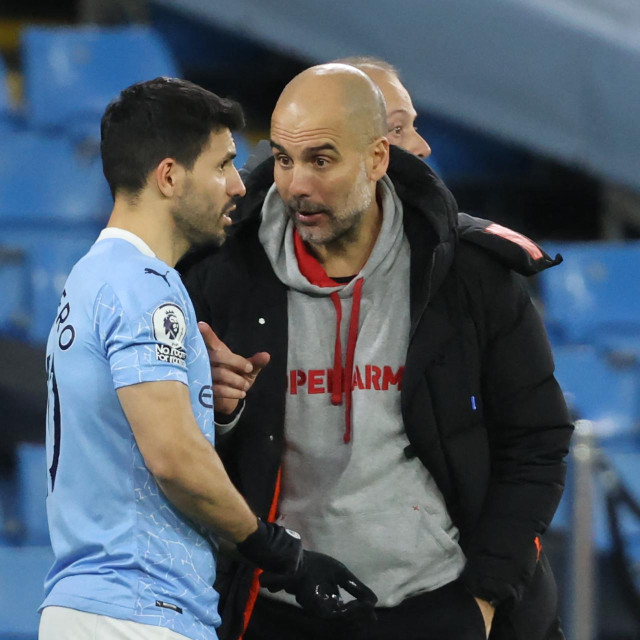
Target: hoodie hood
x=296, y=267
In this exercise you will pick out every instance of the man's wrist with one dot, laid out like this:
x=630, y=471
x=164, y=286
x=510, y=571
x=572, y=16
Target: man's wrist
x=249, y=531
x=225, y=422
x=273, y=548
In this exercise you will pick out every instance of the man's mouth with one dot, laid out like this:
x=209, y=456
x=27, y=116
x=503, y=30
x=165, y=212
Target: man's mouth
x=226, y=213
x=307, y=216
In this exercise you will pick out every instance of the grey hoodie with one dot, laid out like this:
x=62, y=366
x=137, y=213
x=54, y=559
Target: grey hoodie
x=347, y=486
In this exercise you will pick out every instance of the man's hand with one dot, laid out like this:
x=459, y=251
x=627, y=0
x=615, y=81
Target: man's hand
x=488, y=612
x=314, y=578
x=316, y=585
x=232, y=374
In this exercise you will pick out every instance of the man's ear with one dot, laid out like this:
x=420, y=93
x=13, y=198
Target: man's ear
x=378, y=158
x=169, y=175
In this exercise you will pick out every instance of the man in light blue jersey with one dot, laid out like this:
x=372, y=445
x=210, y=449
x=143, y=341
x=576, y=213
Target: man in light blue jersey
x=136, y=491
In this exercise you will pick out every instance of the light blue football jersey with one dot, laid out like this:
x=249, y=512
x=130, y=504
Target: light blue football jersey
x=121, y=548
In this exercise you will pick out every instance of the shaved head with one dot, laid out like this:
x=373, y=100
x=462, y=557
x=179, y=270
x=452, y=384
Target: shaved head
x=328, y=140
x=343, y=95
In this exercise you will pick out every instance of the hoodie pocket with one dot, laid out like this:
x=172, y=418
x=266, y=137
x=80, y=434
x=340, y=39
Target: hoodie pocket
x=396, y=552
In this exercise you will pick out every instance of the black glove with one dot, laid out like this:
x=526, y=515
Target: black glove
x=316, y=585
x=273, y=548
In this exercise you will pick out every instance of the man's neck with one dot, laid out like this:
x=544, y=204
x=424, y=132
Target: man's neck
x=346, y=256
x=150, y=223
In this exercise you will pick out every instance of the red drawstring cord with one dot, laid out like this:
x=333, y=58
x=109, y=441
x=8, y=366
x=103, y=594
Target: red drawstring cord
x=351, y=348
x=336, y=382
x=342, y=380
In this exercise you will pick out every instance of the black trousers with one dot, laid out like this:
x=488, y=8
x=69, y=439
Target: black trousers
x=448, y=613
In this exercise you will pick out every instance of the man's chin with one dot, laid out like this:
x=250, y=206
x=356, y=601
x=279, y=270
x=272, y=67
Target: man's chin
x=313, y=234
x=210, y=240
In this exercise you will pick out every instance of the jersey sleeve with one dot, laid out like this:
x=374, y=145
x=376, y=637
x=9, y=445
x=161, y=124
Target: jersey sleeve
x=142, y=345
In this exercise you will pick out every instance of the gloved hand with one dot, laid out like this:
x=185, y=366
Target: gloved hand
x=316, y=585
x=273, y=548
x=314, y=578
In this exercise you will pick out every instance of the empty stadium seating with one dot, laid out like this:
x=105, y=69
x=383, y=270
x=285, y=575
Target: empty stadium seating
x=51, y=253
x=72, y=73
x=5, y=103
x=47, y=178
x=53, y=201
x=15, y=278
x=601, y=390
x=53, y=196
x=32, y=493
x=594, y=296
x=592, y=310
x=21, y=590
x=23, y=566
x=607, y=393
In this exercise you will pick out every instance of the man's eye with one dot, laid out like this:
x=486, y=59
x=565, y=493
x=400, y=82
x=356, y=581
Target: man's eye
x=283, y=160
x=321, y=162
x=396, y=130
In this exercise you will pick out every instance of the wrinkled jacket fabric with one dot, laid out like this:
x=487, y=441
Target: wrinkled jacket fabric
x=480, y=405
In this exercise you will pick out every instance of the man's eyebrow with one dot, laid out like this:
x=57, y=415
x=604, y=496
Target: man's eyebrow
x=309, y=151
x=230, y=155
x=327, y=146
x=392, y=113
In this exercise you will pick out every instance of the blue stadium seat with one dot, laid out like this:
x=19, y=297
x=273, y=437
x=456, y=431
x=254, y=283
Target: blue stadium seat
x=605, y=391
x=32, y=492
x=11, y=118
x=5, y=102
x=594, y=296
x=15, y=278
x=51, y=253
x=72, y=73
x=53, y=201
x=22, y=574
x=626, y=466
x=596, y=389
x=47, y=178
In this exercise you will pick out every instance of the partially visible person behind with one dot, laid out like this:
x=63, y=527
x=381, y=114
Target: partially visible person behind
x=136, y=490
x=401, y=114
x=410, y=398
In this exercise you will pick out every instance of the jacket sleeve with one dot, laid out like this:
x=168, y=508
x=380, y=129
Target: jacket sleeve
x=528, y=430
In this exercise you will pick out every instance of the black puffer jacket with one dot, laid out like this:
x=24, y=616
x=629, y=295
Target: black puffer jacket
x=480, y=405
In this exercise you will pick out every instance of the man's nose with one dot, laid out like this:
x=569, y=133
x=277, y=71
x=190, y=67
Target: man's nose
x=419, y=146
x=299, y=181
x=235, y=186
